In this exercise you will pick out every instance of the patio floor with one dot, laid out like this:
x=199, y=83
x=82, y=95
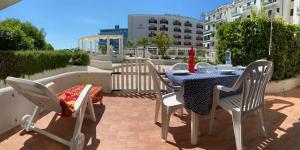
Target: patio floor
x=126, y=122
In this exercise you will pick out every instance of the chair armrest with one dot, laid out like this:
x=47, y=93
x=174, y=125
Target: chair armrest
x=51, y=86
x=168, y=95
x=224, y=88
x=82, y=97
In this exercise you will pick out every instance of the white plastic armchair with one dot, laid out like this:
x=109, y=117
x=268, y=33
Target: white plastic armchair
x=169, y=102
x=253, y=81
x=44, y=98
x=208, y=67
x=180, y=66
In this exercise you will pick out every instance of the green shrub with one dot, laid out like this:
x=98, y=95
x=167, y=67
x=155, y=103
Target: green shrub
x=81, y=59
x=166, y=57
x=21, y=63
x=248, y=40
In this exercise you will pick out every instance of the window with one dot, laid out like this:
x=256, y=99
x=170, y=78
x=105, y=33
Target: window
x=292, y=12
x=248, y=16
x=278, y=9
x=270, y=13
x=292, y=0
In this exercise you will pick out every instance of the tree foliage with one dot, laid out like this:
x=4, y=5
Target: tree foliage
x=144, y=42
x=17, y=35
x=162, y=42
x=248, y=40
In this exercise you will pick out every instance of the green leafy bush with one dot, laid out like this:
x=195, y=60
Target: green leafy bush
x=81, y=59
x=20, y=63
x=248, y=40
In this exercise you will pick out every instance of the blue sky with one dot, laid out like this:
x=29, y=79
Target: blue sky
x=67, y=20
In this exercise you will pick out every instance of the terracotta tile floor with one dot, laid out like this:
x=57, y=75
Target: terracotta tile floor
x=125, y=122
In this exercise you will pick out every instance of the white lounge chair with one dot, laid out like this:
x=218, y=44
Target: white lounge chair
x=169, y=101
x=44, y=98
x=253, y=81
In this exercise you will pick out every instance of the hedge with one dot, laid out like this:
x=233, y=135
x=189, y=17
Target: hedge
x=21, y=63
x=248, y=40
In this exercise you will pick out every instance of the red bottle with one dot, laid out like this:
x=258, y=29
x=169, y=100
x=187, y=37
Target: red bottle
x=192, y=60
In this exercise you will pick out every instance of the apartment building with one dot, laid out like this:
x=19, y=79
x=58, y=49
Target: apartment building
x=289, y=10
x=185, y=31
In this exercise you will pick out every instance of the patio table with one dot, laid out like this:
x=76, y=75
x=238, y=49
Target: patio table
x=197, y=93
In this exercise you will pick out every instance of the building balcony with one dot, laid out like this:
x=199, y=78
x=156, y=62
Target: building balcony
x=153, y=28
x=298, y=11
x=164, y=21
x=199, y=32
x=187, y=31
x=152, y=20
x=177, y=30
x=188, y=24
x=177, y=23
x=151, y=34
x=269, y=3
x=164, y=29
x=199, y=26
x=187, y=43
x=187, y=37
x=199, y=44
x=177, y=43
x=199, y=38
x=177, y=36
x=236, y=13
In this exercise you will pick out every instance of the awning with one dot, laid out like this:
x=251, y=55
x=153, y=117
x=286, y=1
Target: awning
x=7, y=3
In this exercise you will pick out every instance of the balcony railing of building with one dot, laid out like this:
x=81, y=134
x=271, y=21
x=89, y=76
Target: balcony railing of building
x=152, y=20
x=153, y=28
x=152, y=34
x=188, y=37
x=199, y=44
x=177, y=36
x=236, y=12
x=199, y=38
x=163, y=28
x=164, y=21
x=200, y=26
x=188, y=24
x=187, y=43
x=247, y=7
x=177, y=43
x=177, y=23
x=187, y=31
x=177, y=29
x=207, y=38
x=267, y=2
x=199, y=32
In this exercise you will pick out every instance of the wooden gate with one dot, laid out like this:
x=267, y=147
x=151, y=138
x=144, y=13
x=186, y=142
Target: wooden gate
x=133, y=76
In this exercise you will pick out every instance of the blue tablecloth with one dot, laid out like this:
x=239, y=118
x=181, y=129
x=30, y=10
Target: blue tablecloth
x=198, y=88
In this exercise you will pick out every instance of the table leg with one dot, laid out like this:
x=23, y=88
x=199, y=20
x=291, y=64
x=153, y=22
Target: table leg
x=194, y=128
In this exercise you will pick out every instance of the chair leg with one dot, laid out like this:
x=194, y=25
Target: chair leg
x=262, y=122
x=180, y=112
x=157, y=107
x=91, y=110
x=166, y=115
x=237, y=127
x=216, y=94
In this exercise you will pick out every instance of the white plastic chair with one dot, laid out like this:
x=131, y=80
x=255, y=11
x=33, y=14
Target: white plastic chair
x=179, y=66
x=209, y=67
x=43, y=97
x=225, y=67
x=253, y=81
x=169, y=101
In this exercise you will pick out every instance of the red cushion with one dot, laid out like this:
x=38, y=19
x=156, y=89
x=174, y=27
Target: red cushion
x=69, y=96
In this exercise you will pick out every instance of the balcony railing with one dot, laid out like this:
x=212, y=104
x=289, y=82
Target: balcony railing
x=152, y=28
x=199, y=32
x=153, y=21
x=199, y=38
x=199, y=26
x=187, y=37
x=187, y=31
x=188, y=24
x=177, y=43
x=164, y=29
x=187, y=43
x=177, y=23
x=163, y=21
x=176, y=36
x=269, y=2
x=177, y=30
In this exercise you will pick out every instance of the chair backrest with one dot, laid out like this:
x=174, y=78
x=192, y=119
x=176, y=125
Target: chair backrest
x=180, y=66
x=254, y=80
x=35, y=93
x=157, y=79
x=225, y=67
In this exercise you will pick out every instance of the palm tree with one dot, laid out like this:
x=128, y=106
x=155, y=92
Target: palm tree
x=162, y=42
x=143, y=42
